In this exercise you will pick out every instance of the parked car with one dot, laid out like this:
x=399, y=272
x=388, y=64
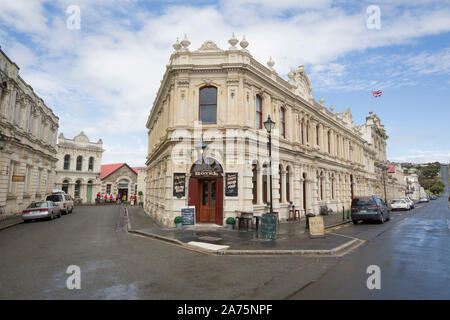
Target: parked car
x=424, y=199
x=400, y=204
x=369, y=208
x=411, y=203
x=433, y=197
x=63, y=200
x=41, y=210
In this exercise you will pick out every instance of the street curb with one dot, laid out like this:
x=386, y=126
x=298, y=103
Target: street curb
x=11, y=225
x=337, y=251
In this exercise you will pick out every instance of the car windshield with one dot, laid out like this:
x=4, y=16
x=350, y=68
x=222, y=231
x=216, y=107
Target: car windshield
x=55, y=198
x=38, y=205
x=397, y=201
x=365, y=201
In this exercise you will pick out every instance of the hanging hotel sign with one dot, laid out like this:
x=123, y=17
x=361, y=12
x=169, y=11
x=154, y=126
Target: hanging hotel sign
x=179, y=185
x=231, y=184
x=316, y=227
x=206, y=174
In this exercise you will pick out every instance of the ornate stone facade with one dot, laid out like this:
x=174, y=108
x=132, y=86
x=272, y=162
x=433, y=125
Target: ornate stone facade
x=78, y=167
x=28, y=160
x=211, y=106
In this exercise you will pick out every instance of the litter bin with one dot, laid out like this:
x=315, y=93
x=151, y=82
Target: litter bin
x=309, y=215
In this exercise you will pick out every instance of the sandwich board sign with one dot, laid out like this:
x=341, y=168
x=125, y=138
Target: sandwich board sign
x=188, y=216
x=316, y=227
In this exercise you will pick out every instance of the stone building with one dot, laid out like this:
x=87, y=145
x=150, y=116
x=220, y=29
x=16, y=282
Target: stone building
x=412, y=185
x=207, y=146
x=396, y=182
x=78, y=167
x=119, y=178
x=28, y=128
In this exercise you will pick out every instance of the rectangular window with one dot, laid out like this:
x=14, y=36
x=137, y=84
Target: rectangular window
x=108, y=188
x=208, y=105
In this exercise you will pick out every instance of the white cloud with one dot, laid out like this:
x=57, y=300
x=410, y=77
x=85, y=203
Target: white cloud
x=103, y=78
x=424, y=156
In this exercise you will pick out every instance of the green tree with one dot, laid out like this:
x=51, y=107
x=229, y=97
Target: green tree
x=437, y=188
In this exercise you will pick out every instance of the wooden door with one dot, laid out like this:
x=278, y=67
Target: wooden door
x=207, y=200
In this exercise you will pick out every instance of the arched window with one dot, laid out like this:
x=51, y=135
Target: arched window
x=255, y=184
x=307, y=132
x=301, y=132
x=317, y=135
x=329, y=143
x=77, y=188
x=208, y=105
x=79, y=163
x=259, y=118
x=288, y=194
x=283, y=122
x=280, y=168
x=266, y=173
x=67, y=162
x=91, y=164
x=332, y=187
x=65, y=186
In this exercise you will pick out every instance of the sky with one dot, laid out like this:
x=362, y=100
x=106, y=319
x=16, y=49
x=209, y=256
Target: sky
x=102, y=77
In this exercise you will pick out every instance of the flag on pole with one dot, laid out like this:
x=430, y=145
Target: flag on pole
x=377, y=93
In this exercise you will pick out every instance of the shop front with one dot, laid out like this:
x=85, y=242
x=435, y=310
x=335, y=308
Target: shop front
x=206, y=191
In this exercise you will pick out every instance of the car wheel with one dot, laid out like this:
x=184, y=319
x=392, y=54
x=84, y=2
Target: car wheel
x=26, y=221
x=59, y=215
x=355, y=222
x=382, y=219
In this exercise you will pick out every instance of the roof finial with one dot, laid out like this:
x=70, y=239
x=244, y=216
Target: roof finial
x=271, y=63
x=233, y=42
x=185, y=42
x=177, y=45
x=244, y=44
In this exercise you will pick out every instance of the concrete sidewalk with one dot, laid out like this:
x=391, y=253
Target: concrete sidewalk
x=291, y=237
x=10, y=221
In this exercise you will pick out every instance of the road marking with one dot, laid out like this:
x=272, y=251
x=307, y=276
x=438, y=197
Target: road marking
x=337, y=228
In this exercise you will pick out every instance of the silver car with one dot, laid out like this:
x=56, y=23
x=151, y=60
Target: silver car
x=41, y=210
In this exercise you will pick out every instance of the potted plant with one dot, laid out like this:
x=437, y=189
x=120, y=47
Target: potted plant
x=230, y=222
x=178, y=222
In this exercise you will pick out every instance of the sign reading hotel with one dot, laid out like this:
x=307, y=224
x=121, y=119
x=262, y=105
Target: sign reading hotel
x=316, y=227
x=206, y=173
x=179, y=185
x=18, y=178
x=231, y=184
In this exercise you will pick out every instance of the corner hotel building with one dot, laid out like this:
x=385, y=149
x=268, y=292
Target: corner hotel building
x=206, y=135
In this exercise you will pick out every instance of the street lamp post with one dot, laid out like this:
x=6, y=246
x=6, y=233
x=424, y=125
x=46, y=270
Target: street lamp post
x=269, y=125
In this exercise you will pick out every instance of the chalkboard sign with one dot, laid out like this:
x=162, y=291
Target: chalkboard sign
x=231, y=184
x=179, y=185
x=188, y=216
x=316, y=227
x=269, y=226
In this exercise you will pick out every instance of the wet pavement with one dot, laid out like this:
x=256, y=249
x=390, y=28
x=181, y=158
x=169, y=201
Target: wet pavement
x=290, y=235
x=413, y=256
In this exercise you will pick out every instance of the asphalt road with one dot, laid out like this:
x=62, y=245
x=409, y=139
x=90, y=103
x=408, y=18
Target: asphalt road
x=114, y=264
x=411, y=250
x=413, y=255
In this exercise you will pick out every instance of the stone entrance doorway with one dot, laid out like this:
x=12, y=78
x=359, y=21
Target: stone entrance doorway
x=206, y=191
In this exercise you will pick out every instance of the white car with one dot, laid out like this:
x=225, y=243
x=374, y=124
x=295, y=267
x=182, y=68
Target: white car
x=411, y=203
x=400, y=204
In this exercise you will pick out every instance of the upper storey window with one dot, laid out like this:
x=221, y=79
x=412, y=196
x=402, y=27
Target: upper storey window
x=283, y=122
x=79, y=163
x=66, y=162
x=259, y=122
x=208, y=105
